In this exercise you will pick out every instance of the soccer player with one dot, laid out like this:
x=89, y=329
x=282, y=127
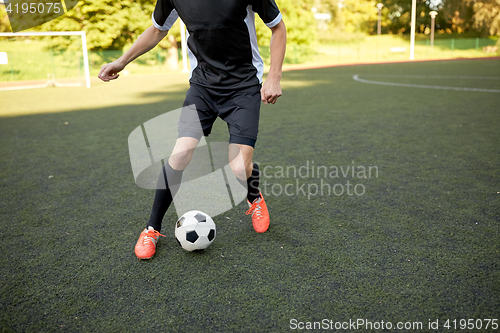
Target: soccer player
x=225, y=81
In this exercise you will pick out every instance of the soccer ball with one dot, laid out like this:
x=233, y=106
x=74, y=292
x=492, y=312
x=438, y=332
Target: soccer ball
x=195, y=230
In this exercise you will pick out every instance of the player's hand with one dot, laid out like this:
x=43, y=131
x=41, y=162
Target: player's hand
x=271, y=90
x=110, y=71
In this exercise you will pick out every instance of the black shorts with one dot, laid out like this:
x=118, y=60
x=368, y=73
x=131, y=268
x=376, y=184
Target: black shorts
x=240, y=109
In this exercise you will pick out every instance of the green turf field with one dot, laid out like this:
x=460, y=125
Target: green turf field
x=422, y=243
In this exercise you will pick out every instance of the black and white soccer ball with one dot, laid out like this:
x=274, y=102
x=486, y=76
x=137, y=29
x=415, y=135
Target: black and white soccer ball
x=195, y=230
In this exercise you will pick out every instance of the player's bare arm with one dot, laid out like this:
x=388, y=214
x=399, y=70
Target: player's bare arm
x=149, y=39
x=271, y=89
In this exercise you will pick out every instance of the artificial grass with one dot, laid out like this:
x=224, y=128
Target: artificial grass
x=421, y=243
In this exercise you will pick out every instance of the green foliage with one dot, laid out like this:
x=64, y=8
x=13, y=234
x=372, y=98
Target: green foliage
x=351, y=19
x=4, y=20
x=455, y=16
x=396, y=16
x=487, y=16
x=468, y=17
x=358, y=16
x=299, y=21
x=108, y=24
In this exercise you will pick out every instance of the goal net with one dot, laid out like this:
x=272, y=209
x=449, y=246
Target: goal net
x=43, y=59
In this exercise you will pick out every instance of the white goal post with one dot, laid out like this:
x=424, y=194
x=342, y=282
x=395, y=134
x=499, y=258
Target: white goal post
x=60, y=33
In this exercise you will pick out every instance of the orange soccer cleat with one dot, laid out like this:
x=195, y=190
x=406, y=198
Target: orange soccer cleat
x=146, y=245
x=260, y=214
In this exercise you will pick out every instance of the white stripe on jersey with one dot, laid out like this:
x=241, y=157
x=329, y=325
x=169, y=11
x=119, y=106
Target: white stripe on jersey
x=257, y=61
x=169, y=22
x=275, y=22
x=193, y=62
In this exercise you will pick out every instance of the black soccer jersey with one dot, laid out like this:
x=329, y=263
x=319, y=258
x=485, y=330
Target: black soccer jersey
x=222, y=42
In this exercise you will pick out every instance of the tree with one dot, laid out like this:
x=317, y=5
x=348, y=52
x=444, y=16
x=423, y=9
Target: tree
x=350, y=15
x=299, y=20
x=477, y=16
x=358, y=16
x=396, y=15
x=108, y=24
x=487, y=16
x=456, y=15
x=4, y=20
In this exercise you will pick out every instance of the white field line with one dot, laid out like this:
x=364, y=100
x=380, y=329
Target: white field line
x=357, y=78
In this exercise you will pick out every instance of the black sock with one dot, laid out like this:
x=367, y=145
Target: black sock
x=252, y=184
x=164, y=195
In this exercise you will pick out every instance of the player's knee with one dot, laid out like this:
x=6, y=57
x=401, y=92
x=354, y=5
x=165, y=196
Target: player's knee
x=181, y=159
x=239, y=170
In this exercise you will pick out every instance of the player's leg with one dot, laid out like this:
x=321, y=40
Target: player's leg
x=168, y=184
x=196, y=120
x=241, y=111
x=170, y=179
x=247, y=173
